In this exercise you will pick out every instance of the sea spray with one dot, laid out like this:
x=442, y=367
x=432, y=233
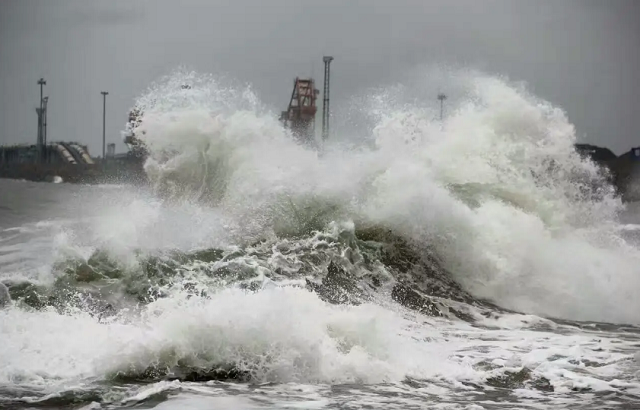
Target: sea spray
x=497, y=190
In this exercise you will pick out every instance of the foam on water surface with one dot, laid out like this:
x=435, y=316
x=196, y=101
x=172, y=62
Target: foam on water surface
x=287, y=335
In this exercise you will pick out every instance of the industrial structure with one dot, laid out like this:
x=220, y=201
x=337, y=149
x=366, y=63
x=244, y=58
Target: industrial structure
x=301, y=113
x=55, y=153
x=299, y=117
x=72, y=160
x=45, y=152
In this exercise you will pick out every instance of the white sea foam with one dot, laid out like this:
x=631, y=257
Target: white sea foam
x=289, y=335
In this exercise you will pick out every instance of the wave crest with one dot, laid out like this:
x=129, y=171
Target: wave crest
x=496, y=190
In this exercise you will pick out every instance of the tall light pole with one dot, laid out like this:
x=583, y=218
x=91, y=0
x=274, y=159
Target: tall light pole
x=104, y=124
x=41, y=83
x=441, y=97
x=325, y=101
x=45, y=102
x=39, y=143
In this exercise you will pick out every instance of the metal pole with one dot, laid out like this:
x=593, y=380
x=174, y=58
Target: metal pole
x=39, y=144
x=44, y=124
x=41, y=83
x=441, y=97
x=45, y=109
x=104, y=123
x=325, y=102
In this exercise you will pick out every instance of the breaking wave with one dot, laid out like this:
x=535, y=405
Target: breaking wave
x=496, y=191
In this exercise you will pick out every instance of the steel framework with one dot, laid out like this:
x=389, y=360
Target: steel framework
x=301, y=113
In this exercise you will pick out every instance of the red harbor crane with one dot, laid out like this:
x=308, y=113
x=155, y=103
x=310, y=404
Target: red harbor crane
x=300, y=116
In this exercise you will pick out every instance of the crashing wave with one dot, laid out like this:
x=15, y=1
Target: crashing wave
x=496, y=193
x=399, y=261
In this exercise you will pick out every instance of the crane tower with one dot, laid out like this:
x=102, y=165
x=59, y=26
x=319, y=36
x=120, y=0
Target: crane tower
x=300, y=115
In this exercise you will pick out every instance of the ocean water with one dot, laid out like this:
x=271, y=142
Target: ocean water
x=473, y=263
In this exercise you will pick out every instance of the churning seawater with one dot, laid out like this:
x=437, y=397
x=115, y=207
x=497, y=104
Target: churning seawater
x=474, y=263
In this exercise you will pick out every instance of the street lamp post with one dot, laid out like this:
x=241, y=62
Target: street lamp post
x=45, y=102
x=104, y=123
x=39, y=143
x=441, y=97
x=41, y=83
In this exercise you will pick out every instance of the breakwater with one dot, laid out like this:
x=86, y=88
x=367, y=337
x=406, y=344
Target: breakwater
x=110, y=171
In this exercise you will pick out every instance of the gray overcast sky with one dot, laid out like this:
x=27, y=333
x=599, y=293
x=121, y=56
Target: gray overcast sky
x=581, y=55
